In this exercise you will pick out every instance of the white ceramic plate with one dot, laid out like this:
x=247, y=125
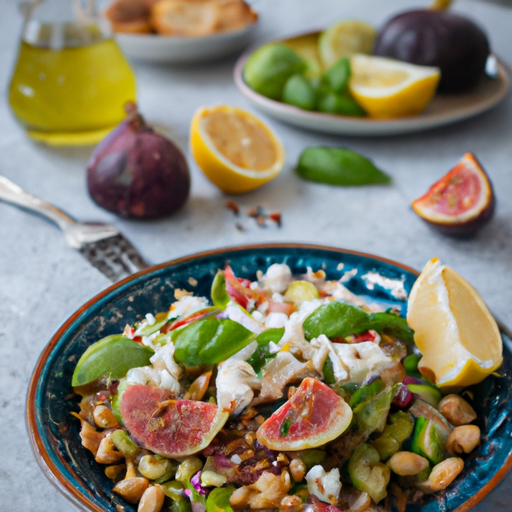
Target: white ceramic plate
x=442, y=110
x=180, y=50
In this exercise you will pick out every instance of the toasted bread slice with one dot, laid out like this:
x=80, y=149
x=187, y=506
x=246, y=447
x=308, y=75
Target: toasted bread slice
x=130, y=16
x=188, y=18
x=235, y=14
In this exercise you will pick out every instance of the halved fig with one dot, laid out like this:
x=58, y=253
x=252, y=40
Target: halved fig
x=167, y=426
x=461, y=202
x=313, y=416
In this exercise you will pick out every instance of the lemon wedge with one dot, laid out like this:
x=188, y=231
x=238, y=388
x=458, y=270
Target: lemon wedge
x=345, y=38
x=453, y=329
x=235, y=150
x=388, y=88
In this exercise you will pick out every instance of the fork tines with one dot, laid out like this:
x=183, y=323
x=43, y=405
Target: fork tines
x=113, y=256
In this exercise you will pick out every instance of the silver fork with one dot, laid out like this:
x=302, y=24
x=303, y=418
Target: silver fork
x=103, y=245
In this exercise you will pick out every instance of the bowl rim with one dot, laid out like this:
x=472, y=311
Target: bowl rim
x=45, y=462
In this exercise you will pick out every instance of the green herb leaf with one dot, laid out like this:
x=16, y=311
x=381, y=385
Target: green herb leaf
x=338, y=166
x=210, y=341
x=394, y=325
x=285, y=427
x=335, y=320
x=219, y=295
x=262, y=354
x=113, y=355
x=338, y=75
x=299, y=92
x=328, y=371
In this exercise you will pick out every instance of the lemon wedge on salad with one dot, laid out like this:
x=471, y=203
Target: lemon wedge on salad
x=388, y=88
x=235, y=150
x=453, y=329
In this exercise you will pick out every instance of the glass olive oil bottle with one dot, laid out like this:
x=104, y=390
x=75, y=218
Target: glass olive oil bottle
x=71, y=80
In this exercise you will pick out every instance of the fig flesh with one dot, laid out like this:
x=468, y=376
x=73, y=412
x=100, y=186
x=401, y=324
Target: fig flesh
x=313, y=416
x=461, y=202
x=438, y=38
x=167, y=426
x=137, y=172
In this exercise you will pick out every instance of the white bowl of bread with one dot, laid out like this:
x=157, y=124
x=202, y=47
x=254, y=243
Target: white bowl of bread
x=181, y=31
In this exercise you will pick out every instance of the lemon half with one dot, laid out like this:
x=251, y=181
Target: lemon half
x=453, y=329
x=388, y=88
x=235, y=150
x=345, y=38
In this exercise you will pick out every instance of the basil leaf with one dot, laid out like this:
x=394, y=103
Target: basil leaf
x=328, y=371
x=210, y=341
x=262, y=354
x=338, y=74
x=113, y=356
x=274, y=335
x=219, y=295
x=338, y=166
x=335, y=320
x=394, y=325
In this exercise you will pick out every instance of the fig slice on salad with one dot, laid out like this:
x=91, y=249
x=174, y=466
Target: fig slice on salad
x=167, y=426
x=461, y=202
x=312, y=417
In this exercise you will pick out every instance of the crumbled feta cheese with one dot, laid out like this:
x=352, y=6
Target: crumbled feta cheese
x=236, y=382
x=237, y=314
x=276, y=320
x=236, y=459
x=277, y=278
x=150, y=319
x=362, y=358
x=187, y=305
x=325, y=486
x=277, y=297
x=325, y=346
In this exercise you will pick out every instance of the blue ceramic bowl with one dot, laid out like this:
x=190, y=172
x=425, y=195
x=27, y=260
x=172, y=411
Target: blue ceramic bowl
x=54, y=431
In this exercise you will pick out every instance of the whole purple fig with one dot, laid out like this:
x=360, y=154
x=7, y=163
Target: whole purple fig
x=439, y=38
x=137, y=172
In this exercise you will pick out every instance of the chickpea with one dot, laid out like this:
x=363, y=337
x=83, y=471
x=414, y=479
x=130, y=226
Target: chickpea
x=107, y=453
x=104, y=417
x=290, y=504
x=297, y=469
x=152, y=468
x=189, y=467
x=456, y=410
x=444, y=473
x=463, y=439
x=131, y=489
x=359, y=501
x=152, y=500
x=407, y=463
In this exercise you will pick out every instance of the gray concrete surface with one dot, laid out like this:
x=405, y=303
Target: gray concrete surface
x=42, y=281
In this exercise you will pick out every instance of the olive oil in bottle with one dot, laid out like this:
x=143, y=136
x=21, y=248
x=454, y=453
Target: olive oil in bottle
x=70, y=83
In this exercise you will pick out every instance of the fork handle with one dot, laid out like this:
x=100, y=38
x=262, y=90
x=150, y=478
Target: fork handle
x=14, y=194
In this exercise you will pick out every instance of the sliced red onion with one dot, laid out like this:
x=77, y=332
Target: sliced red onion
x=196, y=484
x=413, y=380
x=403, y=398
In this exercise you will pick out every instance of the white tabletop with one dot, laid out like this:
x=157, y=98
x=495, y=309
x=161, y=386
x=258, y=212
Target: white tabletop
x=42, y=280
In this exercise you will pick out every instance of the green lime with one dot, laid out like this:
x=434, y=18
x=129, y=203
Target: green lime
x=341, y=104
x=299, y=92
x=343, y=39
x=269, y=67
